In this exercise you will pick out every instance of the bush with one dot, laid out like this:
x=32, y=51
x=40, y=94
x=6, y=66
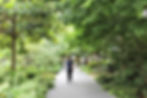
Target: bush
x=27, y=82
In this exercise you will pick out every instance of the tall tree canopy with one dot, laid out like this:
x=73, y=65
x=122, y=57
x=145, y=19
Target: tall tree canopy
x=115, y=29
x=21, y=18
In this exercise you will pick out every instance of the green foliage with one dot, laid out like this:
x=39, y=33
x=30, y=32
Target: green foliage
x=115, y=29
x=46, y=51
x=26, y=82
x=31, y=17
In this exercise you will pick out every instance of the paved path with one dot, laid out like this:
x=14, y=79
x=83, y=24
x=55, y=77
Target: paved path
x=83, y=86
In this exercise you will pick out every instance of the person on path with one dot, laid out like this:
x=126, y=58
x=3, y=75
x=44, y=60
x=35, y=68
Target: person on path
x=69, y=68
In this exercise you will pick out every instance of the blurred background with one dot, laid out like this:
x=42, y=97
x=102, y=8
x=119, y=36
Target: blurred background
x=108, y=39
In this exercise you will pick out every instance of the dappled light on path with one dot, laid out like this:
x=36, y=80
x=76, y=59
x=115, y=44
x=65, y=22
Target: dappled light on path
x=82, y=86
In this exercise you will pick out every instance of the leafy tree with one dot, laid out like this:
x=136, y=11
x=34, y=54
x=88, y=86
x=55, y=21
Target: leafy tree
x=115, y=29
x=22, y=18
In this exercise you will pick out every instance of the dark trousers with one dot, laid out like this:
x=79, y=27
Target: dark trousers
x=69, y=74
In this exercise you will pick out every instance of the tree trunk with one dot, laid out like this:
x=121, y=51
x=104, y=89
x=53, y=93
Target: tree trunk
x=13, y=44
